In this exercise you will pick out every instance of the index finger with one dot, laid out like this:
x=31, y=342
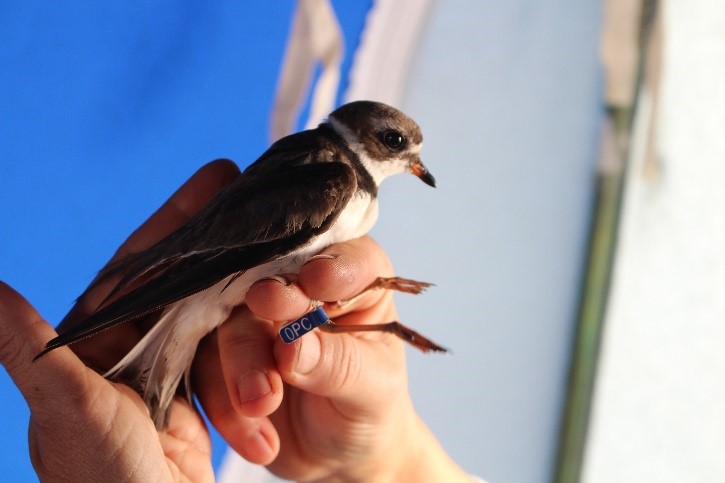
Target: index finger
x=340, y=272
x=344, y=269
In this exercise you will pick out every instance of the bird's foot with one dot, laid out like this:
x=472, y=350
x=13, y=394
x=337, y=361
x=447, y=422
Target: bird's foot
x=388, y=283
x=407, y=334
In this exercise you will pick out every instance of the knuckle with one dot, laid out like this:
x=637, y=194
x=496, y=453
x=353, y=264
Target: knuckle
x=11, y=351
x=15, y=353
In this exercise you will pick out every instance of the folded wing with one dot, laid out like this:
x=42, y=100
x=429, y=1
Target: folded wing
x=254, y=220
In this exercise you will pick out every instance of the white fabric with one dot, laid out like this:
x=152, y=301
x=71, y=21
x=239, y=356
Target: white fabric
x=235, y=469
x=388, y=43
x=658, y=413
x=315, y=37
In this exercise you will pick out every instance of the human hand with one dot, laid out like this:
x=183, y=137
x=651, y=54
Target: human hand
x=329, y=406
x=85, y=428
x=350, y=416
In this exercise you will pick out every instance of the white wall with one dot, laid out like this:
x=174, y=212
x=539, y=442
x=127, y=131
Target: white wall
x=659, y=412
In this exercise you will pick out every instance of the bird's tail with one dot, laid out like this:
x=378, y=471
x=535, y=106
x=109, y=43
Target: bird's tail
x=156, y=365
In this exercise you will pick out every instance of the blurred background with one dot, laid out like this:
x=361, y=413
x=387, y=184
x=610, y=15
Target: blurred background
x=575, y=237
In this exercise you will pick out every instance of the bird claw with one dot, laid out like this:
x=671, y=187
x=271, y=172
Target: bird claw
x=407, y=334
x=398, y=284
x=285, y=279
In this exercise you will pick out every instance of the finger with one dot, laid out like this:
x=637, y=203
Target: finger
x=359, y=371
x=72, y=408
x=186, y=443
x=191, y=197
x=57, y=376
x=342, y=271
x=343, y=366
x=245, y=346
x=352, y=267
x=270, y=299
x=356, y=372
x=253, y=438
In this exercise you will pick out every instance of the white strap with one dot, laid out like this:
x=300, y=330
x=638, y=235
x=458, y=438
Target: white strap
x=388, y=43
x=315, y=37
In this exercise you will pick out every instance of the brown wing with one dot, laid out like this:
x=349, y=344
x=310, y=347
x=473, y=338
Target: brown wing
x=255, y=220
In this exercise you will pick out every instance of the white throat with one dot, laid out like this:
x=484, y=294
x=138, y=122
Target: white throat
x=379, y=170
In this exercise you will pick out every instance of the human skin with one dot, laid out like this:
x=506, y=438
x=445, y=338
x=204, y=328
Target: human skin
x=327, y=407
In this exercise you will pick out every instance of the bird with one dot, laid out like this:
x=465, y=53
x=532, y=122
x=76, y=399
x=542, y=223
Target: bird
x=309, y=190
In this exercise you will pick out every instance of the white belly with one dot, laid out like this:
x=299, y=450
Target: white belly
x=356, y=220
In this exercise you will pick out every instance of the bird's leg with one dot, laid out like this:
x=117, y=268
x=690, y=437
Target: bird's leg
x=406, y=333
x=388, y=283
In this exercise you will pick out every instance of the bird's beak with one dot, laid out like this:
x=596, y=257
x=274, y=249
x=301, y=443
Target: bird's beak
x=419, y=169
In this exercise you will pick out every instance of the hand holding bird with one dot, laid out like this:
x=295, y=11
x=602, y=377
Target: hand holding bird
x=308, y=191
x=73, y=407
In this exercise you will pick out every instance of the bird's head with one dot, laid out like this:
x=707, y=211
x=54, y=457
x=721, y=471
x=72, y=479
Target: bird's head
x=387, y=141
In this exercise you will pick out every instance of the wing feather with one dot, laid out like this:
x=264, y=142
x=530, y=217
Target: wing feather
x=255, y=220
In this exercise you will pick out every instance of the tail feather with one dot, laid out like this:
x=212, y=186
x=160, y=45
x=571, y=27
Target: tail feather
x=156, y=365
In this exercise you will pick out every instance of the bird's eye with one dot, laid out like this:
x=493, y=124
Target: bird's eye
x=393, y=139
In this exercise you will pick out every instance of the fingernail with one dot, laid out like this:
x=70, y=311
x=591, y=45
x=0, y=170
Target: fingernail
x=308, y=355
x=320, y=256
x=253, y=385
x=278, y=278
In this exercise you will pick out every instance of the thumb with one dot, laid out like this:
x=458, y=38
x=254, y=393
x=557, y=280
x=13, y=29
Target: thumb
x=358, y=372
x=23, y=334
